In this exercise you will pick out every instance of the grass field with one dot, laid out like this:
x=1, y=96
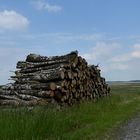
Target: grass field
x=89, y=120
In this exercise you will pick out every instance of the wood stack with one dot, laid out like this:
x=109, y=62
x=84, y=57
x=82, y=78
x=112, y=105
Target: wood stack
x=65, y=79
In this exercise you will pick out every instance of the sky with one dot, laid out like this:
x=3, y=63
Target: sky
x=105, y=32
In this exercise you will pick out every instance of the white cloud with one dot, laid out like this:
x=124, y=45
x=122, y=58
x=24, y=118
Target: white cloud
x=136, y=52
x=108, y=56
x=131, y=55
x=43, y=5
x=11, y=20
x=101, y=52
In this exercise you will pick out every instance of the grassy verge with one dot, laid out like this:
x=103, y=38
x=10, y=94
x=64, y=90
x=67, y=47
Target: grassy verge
x=81, y=122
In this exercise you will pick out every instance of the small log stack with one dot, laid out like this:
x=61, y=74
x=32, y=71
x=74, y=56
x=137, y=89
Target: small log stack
x=65, y=79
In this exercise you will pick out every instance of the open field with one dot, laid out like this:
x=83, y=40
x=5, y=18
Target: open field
x=86, y=121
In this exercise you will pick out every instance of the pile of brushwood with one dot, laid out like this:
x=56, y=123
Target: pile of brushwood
x=65, y=79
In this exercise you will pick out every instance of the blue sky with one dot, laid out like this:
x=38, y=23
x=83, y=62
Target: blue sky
x=103, y=31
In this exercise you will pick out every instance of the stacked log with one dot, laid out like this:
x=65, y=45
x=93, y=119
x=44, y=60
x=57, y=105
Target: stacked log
x=65, y=79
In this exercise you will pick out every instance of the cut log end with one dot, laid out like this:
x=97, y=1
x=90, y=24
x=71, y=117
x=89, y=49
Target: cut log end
x=52, y=86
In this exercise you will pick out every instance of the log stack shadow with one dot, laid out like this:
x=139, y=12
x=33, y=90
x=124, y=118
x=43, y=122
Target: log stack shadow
x=66, y=79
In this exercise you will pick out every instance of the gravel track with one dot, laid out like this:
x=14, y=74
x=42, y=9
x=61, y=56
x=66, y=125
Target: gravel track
x=130, y=130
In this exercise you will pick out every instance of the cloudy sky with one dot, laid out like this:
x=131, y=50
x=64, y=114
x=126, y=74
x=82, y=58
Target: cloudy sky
x=105, y=32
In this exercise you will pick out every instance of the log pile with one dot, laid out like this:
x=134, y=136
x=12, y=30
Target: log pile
x=65, y=79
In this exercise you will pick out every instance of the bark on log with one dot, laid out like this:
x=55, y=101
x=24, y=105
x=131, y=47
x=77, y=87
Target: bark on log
x=40, y=69
x=28, y=86
x=7, y=97
x=29, y=65
x=23, y=102
x=49, y=71
x=10, y=102
x=27, y=97
x=41, y=77
x=37, y=93
x=38, y=58
x=55, y=75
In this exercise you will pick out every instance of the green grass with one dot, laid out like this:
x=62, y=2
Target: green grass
x=86, y=121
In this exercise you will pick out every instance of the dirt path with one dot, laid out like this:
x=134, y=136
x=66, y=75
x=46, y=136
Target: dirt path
x=130, y=130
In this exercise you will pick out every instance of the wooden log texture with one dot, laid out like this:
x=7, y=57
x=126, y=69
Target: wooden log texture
x=29, y=65
x=28, y=86
x=37, y=93
x=38, y=58
x=44, y=76
x=65, y=79
x=40, y=69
